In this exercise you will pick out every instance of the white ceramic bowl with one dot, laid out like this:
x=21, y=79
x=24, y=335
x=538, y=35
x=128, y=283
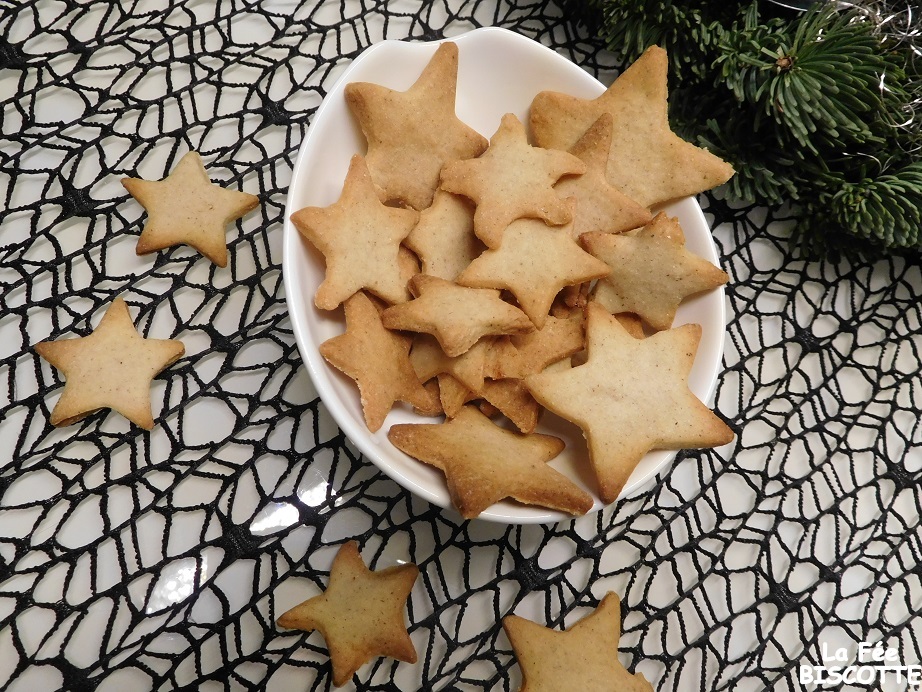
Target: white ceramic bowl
x=499, y=72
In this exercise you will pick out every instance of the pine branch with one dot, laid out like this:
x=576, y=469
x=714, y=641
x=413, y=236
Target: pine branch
x=822, y=109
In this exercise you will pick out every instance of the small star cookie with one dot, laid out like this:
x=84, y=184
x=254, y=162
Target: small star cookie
x=360, y=239
x=378, y=360
x=444, y=238
x=429, y=360
x=187, y=208
x=412, y=134
x=583, y=657
x=527, y=354
x=534, y=262
x=511, y=180
x=631, y=396
x=360, y=615
x=513, y=400
x=649, y=162
x=111, y=368
x=484, y=463
x=652, y=271
x=457, y=316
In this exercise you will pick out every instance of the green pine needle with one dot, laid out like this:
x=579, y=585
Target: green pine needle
x=815, y=110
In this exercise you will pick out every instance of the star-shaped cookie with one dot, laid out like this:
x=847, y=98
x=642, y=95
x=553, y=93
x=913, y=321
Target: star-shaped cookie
x=111, y=368
x=600, y=207
x=457, y=316
x=652, y=271
x=511, y=180
x=187, y=208
x=526, y=354
x=378, y=360
x=360, y=615
x=412, y=134
x=360, y=239
x=429, y=360
x=484, y=463
x=444, y=237
x=649, y=163
x=631, y=396
x=534, y=262
x=583, y=657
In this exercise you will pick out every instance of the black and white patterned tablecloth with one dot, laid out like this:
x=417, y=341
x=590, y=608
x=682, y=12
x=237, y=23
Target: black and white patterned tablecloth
x=133, y=560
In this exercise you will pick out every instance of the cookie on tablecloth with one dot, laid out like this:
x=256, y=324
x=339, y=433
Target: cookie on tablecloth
x=111, y=368
x=360, y=615
x=186, y=208
x=582, y=657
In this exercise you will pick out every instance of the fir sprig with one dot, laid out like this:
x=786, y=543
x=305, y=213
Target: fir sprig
x=816, y=110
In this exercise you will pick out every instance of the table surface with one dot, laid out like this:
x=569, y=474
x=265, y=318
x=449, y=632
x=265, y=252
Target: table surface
x=159, y=560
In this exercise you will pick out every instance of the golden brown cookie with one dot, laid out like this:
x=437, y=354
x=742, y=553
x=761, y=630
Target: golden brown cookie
x=600, y=207
x=360, y=239
x=583, y=657
x=648, y=162
x=534, y=262
x=513, y=400
x=455, y=315
x=360, y=615
x=484, y=463
x=559, y=338
x=453, y=394
x=111, y=368
x=512, y=180
x=631, y=396
x=412, y=134
x=444, y=237
x=187, y=208
x=378, y=360
x=429, y=360
x=652, y=271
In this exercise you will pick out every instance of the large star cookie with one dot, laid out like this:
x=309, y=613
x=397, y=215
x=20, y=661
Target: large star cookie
x=360, y=615
x=187, y=208
x=484, y=463
x=378, y=360
x=360, y=238
x=583, y=657
x=649, y=163
x=412, y=134
x=457, y=316
x=111, y=368
x=631, y=396
x=534, y=262
x=511, y=180
x=652, y=271
x=600, y=207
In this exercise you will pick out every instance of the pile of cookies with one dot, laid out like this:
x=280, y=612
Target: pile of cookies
x=486, y=281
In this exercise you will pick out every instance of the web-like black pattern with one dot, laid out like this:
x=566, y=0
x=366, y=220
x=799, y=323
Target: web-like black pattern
x=132, y=560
